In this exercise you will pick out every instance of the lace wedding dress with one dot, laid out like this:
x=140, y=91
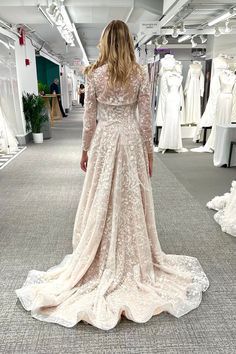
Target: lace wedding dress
x=117, y=266
x=226, y=210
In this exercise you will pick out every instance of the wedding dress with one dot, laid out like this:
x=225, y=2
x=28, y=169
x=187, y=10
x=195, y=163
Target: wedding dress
x=168, y=63
x=117, y=266
x=171, y=130
x=219, y=64
x=194, y=89
x=226, y=210
x=8, y=142
x=223, y=106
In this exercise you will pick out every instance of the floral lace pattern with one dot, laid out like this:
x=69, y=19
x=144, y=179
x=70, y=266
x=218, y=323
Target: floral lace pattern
x=117, y=266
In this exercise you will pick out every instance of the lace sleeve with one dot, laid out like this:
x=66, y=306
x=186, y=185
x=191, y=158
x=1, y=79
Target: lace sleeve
x=90, y=113
x=144, y=109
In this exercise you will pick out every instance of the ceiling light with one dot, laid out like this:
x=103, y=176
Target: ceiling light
x=194, y=44
x=52, y=8
x=223, y=17
x=184, y=38
x=203, y=38
x=217, y=32
x=227, y=28
x=85, y=58
x=182, y=28
x=164, y=40
x=175, y=33
x=45, y=15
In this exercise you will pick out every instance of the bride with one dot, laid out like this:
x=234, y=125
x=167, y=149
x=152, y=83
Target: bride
x=117, y=267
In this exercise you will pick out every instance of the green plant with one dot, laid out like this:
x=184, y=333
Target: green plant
x=43, y=88
x=35, y=112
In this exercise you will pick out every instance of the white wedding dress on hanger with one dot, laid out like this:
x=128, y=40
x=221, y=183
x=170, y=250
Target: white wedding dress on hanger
x=226, y=210
x=170, y=137
x=219, y=64
x=194, y=89
x=117, y=266
x=224, y=103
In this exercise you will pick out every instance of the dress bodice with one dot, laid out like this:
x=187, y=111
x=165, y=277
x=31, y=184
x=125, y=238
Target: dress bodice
x=219, y=64
x=174, y=82
x=195, y=70
x=118, y=95
x=168, y=63
x=227, y=82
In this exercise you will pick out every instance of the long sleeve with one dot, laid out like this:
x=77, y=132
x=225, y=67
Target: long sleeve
x=144, y=109
x=187, y=82
x=90, y=113
x=201, y=84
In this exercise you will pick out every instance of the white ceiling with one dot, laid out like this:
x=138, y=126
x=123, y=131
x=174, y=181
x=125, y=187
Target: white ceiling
x=90, y=17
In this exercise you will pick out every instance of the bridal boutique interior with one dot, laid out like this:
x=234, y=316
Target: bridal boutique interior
x=189, y=50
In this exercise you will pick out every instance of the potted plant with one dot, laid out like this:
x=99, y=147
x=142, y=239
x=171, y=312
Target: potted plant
x=35, y=115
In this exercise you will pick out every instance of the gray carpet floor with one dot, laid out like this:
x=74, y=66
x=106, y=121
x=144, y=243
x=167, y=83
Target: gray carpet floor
x=39, y=194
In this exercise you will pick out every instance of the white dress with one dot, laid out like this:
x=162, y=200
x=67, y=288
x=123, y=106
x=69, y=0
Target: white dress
x=223, y=106
x=226, y=207
x=170, y=137
x=166, y=64
x=117, y=266
x=219, y=64
x=194, y=89
x=8, y=142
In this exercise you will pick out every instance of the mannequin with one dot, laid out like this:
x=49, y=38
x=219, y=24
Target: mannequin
x=171, y=130
x=194, y=89
x=219, y=63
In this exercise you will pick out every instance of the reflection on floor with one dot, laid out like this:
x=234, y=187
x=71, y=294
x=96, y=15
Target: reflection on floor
x=5, y=159
x=39, y=195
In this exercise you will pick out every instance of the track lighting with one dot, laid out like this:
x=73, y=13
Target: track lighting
x=56, y=14
x=182, y=28
x=44, y=13
x=223, y=17
x=203, y=38
x=164, y=40
x=217, y=32
x=175, y=32
x=52, y=8
x=184, y=38
x=227, y=28
x=194, y=44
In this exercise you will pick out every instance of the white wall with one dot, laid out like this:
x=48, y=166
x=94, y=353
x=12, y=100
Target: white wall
x=27, y=75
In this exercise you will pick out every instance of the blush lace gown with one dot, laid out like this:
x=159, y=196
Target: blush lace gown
x=117, y=266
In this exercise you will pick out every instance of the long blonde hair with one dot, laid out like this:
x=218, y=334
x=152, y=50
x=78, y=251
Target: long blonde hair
x=117, y=51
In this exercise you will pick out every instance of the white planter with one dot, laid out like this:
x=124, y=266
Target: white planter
x=38, y=138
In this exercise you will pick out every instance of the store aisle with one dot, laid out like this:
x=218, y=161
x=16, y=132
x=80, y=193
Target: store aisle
x=39, y=195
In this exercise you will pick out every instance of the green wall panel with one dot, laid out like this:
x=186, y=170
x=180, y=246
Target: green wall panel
x=47, y=71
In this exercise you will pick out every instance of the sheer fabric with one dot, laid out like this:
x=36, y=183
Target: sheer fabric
x=226, y=210
x=117, y=266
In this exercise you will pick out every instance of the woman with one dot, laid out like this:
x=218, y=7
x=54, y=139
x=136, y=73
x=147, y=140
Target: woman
x=117, y=266
x=81, y=94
